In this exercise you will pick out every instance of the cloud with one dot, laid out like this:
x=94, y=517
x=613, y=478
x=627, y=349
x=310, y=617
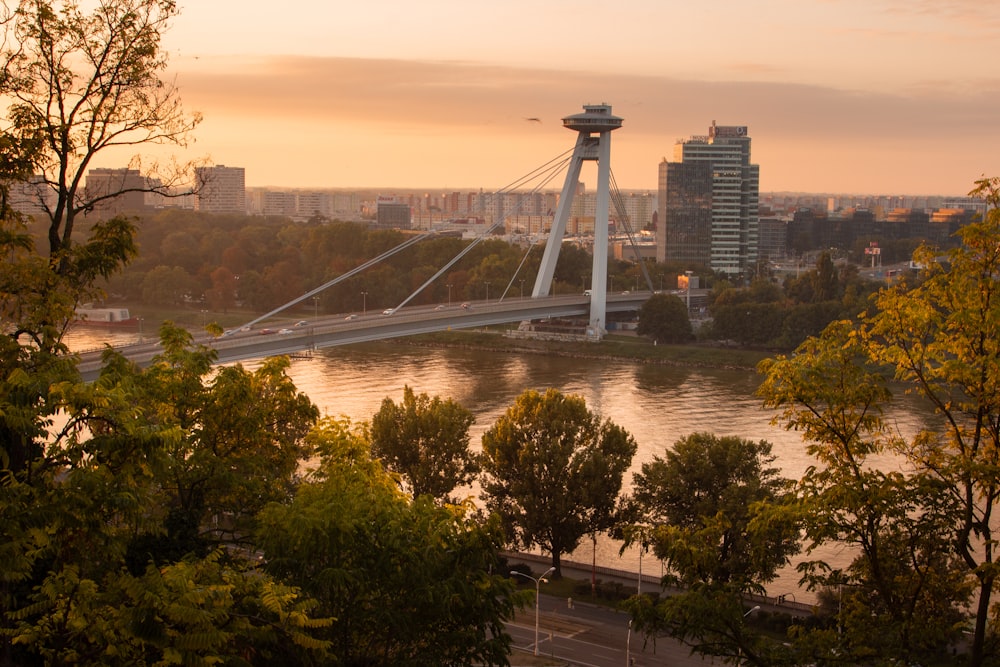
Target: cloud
x=421, y=111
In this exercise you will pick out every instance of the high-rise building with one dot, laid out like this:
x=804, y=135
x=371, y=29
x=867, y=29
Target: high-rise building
x=221, y=189
x=116, y=191
x=708, y=202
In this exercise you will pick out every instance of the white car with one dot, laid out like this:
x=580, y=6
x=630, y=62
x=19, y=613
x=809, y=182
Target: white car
x=285, y=332
x=388, y=311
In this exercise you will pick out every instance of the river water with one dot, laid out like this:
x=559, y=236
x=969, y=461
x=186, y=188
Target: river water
x=657, y=404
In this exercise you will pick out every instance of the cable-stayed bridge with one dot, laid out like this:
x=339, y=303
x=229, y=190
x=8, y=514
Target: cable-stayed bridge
x=593, y=144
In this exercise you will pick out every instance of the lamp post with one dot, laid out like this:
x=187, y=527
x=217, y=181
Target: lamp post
x=449, y=294
x=364, y=302
x=315, y=307
x=538, y=584
x=739, y=649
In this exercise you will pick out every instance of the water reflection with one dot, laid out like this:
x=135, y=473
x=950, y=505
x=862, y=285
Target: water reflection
x=657, y=404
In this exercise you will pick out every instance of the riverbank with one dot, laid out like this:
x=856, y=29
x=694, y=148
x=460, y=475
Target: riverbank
x=614, y=346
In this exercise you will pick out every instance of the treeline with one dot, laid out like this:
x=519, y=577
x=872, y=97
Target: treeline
x=221, y=262
x=259, y=264
x=781, y=316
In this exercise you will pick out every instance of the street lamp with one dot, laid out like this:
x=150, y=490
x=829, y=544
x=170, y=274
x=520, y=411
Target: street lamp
x=739, y=649
x=538, y=584
x=364, y=302
x=315, y=307
x=449, y=294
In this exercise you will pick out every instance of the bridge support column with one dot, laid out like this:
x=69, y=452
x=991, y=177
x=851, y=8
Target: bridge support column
x=595, y=120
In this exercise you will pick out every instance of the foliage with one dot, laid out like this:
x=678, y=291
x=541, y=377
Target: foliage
x=426, y=441
x=717, y=484
x=719, y=517
x=81, y=85
x=409, y=582
x=552, y=470
x=664, y=318
x=109, y=518
x=924, y=531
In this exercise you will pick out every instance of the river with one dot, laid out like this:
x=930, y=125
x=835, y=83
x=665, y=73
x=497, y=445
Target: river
x=657, y=404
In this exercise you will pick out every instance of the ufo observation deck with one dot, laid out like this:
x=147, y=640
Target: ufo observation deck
x=595, y=118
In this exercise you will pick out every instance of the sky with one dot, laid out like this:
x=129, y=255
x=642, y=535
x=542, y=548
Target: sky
x=839, y=96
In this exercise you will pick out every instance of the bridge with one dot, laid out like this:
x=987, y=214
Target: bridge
x=345, y=330
x=593, y=144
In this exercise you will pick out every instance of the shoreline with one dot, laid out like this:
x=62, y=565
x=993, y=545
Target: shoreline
x=617, y=347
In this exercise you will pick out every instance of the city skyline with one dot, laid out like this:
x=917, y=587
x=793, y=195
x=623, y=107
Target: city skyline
x=841, y=96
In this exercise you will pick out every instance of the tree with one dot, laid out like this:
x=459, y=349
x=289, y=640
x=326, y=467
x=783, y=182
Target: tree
x=426, y=441
x=941, y=341
x=552, y=470
x=664, y=318
x=409, y=582
x=112, y=523
x=714, y=505
x=81, y=85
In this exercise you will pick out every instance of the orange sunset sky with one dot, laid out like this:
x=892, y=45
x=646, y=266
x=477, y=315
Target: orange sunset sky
x=849, y=96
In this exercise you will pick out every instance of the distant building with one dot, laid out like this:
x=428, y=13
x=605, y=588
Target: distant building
x=31, y=197
x=279, y=203
x=221, y=189
x=772, y=239
x=311, y=203
x=391, y=214
x=116, y=191
x=708, y=202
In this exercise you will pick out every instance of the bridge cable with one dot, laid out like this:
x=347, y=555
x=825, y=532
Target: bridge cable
x=553, y=170
x=416, y=239
x=619, y=203
x=413, y=240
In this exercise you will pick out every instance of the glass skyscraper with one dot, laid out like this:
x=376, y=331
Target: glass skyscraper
x=709, y=196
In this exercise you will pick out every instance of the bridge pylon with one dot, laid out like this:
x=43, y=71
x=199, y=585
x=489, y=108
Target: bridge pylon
x=596, y=119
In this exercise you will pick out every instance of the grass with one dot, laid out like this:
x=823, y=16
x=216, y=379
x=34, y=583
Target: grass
x=615, y=346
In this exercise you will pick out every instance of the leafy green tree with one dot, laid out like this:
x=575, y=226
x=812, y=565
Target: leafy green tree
x=717, y=509
x=426, y=441
x=552, y=470
x=408, y=581
x=116, y=508
x=664, y=318
x=81, y=85
x=941, y=341
x=167, y=286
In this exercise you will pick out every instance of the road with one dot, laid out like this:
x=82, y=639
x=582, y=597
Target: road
x=586, y=635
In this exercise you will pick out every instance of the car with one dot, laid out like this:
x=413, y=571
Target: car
x=285, y=332
x=466, y=306
x=302, y=323
x=440, y=307
x=352, y=316
x=388, y=311
x=264, y=332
